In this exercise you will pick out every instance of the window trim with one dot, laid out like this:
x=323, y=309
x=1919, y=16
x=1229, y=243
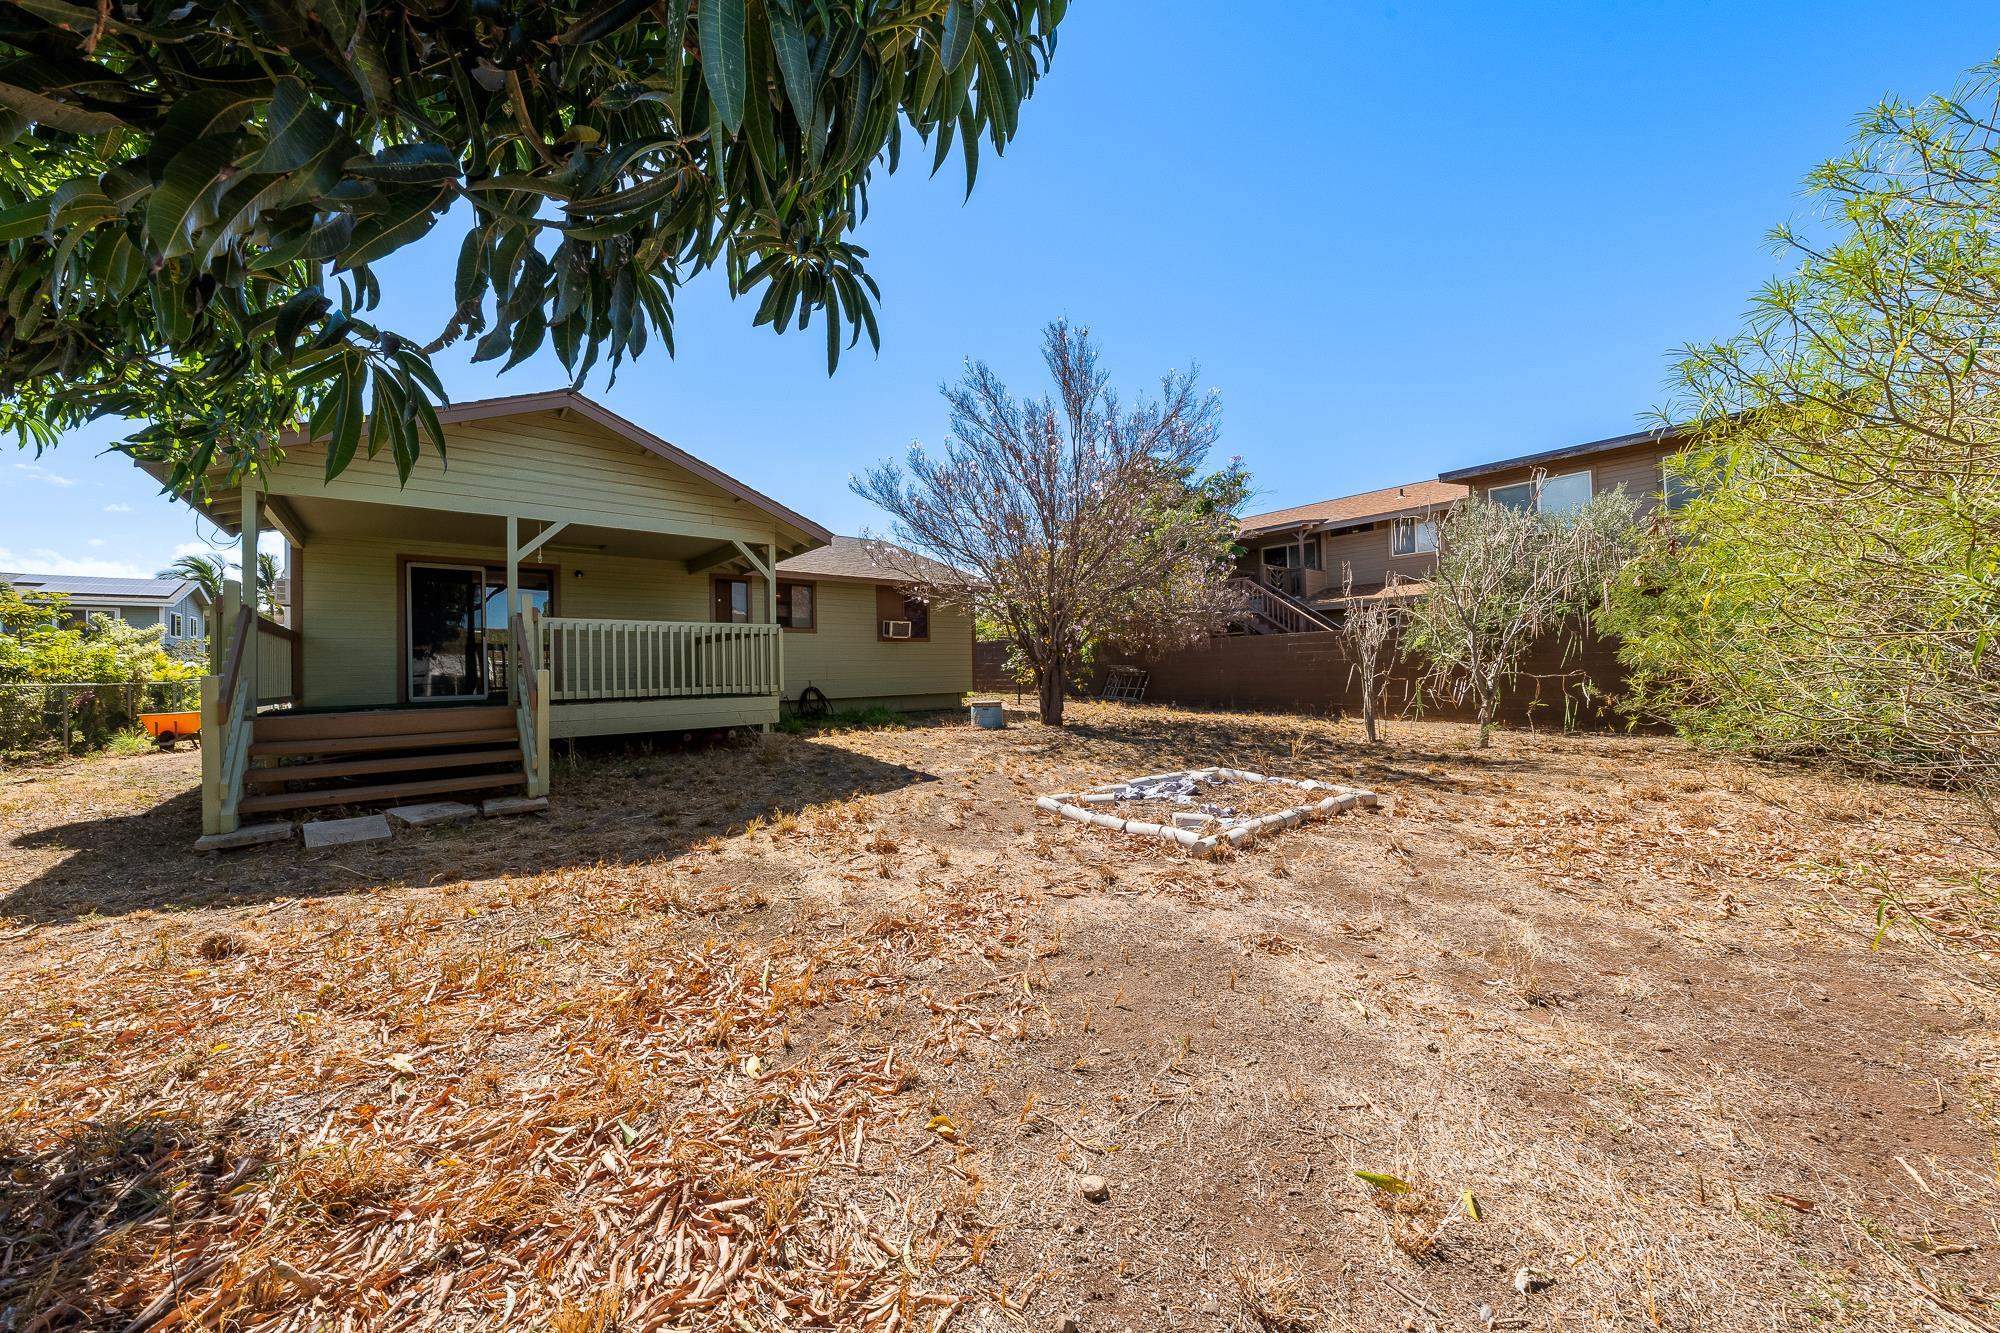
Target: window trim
x=813, y=584
x=1534, y=486
x=1416, y=522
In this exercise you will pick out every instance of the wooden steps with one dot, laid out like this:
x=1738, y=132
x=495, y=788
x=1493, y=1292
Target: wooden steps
x=359, y=768
x=386, y=791
x=305, y=760
x=433, y=740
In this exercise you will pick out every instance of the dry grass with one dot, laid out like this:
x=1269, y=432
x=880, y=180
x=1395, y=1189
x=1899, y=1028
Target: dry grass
x=823, y=1032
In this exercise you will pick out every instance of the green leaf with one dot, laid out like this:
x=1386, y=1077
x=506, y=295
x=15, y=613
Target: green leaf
x=604, y=20
x=959, y=21
x=187, y=178
x=788, y=39
x=389, y=232
x=1387, y=1184
x=725, y=64
x=344, y=431
x=407, y=164
x=296, y=130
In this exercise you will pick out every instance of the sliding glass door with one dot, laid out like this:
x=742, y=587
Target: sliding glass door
x=444, y=604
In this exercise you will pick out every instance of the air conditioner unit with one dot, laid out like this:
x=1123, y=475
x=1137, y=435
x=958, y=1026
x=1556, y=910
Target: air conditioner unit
x=895, y=629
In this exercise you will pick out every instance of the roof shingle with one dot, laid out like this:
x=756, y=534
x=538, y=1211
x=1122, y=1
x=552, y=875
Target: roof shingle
x=1354, y=508
x=854, y=558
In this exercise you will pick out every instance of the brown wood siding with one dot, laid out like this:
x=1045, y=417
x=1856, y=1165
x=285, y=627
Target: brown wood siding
x=1637, y=469
x=1367, y=553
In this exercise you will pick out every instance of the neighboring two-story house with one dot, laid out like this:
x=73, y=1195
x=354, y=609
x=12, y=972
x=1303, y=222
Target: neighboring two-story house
x=1307, y=552
x=1571, y=475
x=177, y=604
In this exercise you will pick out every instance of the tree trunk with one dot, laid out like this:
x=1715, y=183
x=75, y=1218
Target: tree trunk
x=1485, y=720
x=1368, y=704
x=1052, y=693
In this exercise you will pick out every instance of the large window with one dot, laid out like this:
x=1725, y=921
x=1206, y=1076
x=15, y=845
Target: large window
x=1290, y=555
x=1413, y=536
x=797, y=608
x=1564, y=494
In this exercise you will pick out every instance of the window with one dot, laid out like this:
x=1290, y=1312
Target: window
x=179, y=626
x=1287, y=556
x=896, y=604
x=1677, y=491
x=1413, y=536
x=732, y=601
x=1564, y=494
x=795, y=606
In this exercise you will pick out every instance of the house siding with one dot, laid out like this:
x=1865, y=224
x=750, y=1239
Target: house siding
x=541, y=465
x=353, y=641
x=1367, y=554
x=1636, y=468
x=846, y=660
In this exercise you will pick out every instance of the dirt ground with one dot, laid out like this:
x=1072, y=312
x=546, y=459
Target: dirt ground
x=837, y=1032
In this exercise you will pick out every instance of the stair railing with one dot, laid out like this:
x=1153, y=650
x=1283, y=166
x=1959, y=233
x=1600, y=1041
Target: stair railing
x=228, y=718
x=1277, y=610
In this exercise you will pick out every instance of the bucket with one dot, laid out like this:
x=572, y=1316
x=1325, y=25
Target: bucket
x=988, y=714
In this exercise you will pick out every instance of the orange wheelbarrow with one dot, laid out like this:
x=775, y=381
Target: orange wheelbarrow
x=167, y=728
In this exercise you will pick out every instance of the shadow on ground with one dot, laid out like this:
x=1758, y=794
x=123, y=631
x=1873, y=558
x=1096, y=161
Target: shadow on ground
x=609, y=806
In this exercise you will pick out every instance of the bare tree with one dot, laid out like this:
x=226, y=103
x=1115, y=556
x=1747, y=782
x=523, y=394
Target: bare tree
x=1070, y=519
x=1368, y=630
x=1506, y=578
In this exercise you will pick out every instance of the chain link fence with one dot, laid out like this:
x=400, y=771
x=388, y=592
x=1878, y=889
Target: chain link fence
x=71, y=716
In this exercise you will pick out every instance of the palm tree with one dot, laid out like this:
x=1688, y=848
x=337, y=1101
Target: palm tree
x=267, y=583
x=206, y=572
x=209, y=573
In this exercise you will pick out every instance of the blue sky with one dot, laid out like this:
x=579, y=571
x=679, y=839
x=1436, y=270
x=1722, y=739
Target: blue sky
x=1398, y=238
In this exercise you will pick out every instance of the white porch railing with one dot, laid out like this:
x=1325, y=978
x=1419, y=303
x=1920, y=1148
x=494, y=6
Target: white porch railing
x=592, y=659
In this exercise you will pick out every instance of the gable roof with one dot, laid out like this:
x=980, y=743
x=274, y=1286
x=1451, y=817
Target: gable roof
x=554, y=400
x=1662, y=435
x=90, y=587
x=558, y=400
x=1361, y=508
x=854, y=560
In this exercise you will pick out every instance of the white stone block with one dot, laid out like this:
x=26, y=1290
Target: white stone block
x=341, y=832
x=432, y=812
x=250, y=835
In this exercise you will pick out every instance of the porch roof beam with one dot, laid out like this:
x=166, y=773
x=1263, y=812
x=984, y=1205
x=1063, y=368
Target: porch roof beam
x=524, y=551
x=713, y=556
x=286, y=520
x=756, y=562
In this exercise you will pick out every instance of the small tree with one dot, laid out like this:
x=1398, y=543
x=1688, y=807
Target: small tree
x=1506, y=578
x=1368, y=631
x=1070, y=520
x=1832, y=585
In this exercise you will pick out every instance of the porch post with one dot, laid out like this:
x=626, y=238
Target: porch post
x=514, y=647
x=777, y=635
x=252, y=603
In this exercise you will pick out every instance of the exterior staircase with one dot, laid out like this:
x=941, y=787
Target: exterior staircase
x=1269, y=611
x=299, y=761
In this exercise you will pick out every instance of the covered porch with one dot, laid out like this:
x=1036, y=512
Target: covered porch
x=556, y=571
